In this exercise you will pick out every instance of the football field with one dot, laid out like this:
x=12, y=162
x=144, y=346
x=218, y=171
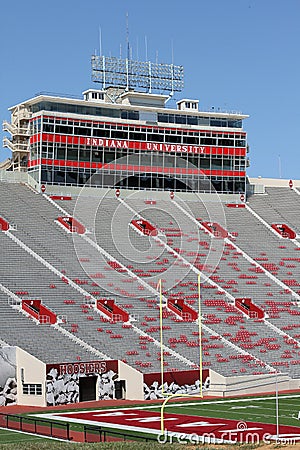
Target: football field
x=216, y=421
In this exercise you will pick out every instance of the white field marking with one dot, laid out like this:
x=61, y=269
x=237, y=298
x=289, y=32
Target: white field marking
x=172, y=405
x=152, y=419
x=290, y=416
x=115, y=414
x=244, y=407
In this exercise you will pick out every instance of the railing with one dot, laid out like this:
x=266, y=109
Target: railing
x=61, y=430
x=55, y=94
x=14, y=301
x=7, y=126
x=13, y=129
x=98, y=434
x=23, y=114
x=45, y=427
x=7, y=143
x=17, y=146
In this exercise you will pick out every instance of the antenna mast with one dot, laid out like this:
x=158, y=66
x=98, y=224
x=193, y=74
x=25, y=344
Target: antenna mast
x=127, y=37
x=125, y=74
x=100, y=41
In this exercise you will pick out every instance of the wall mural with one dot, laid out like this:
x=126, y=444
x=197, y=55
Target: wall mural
x=107, y=385
x=8, y=376
x=181, y=382
x=62, y=380
x=62, y=385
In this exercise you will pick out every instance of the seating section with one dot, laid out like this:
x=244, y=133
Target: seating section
x=256, y=285
x=113, y=259
x=17, y=329
x=279, y=205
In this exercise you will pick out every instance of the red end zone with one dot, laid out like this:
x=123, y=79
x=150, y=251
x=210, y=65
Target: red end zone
x=182, y=426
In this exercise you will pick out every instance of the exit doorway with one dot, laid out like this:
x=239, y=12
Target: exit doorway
x=87, y=388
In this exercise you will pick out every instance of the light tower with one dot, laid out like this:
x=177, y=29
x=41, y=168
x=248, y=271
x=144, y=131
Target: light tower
x=126, y=74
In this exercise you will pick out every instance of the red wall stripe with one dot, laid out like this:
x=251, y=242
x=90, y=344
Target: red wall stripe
x=146, y=146
x=139, y=169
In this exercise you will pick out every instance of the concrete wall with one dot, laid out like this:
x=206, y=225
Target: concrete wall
x=294, y=384
x=13, y=177
x=273, y=182
x=249, y=384
x=134, y=381
x=34, y=373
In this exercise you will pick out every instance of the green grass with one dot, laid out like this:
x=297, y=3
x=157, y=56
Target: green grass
x=12, y=438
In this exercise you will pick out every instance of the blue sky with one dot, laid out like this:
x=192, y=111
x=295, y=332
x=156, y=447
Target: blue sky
x=240, y=55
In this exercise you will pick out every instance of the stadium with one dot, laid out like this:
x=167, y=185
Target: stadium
x=138, y=260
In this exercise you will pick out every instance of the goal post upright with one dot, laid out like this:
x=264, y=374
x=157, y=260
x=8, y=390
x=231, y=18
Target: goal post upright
x=161, y=337
x=166, y=395
x=200, y=334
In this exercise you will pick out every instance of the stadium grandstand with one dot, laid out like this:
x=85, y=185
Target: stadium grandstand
x=136, y=255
